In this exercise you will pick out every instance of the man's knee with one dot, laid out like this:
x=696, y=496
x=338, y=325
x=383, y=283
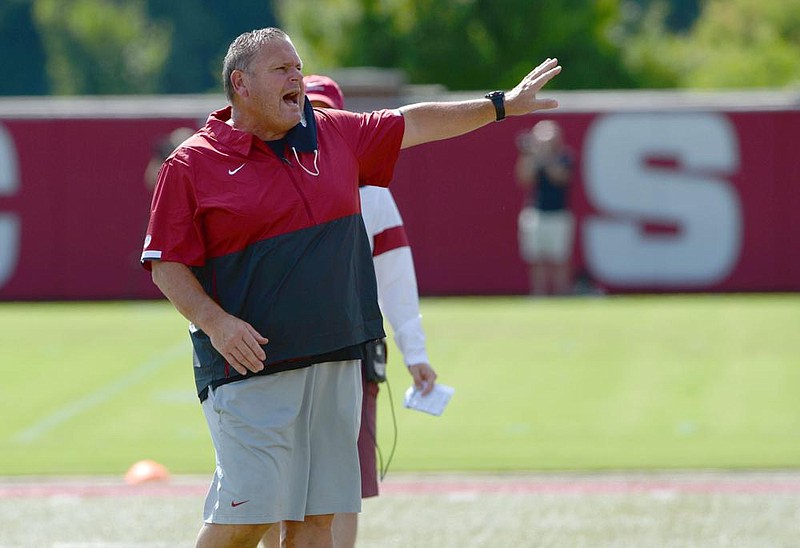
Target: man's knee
x=217, y=534
x=312, y=530
x=323, y=521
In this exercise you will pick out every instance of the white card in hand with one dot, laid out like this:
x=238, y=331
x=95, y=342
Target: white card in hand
x=433, y=403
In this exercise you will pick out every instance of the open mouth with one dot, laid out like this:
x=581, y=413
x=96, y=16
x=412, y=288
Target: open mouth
x=292, y=98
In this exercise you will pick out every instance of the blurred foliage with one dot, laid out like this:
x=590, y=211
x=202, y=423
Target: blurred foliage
x=463, y=44
x=202, y=31
x=23, y=58
x=101, y=46
x=70, y=47
x=152, y=46
x=732, y=44
x=679, y=15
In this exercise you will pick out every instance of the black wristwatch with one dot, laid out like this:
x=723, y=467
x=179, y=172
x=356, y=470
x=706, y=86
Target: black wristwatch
x=498, y=99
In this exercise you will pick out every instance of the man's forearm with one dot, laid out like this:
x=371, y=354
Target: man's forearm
x=426, y=122
x=181, y=287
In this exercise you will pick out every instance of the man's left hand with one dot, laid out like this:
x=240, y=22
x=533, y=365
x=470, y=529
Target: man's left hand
x=424, y=377
x=522, y=99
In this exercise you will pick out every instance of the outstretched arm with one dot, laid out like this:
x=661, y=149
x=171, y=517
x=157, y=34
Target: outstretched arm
x=426, y=122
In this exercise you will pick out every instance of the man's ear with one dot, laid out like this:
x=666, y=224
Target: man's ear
x=239, y=83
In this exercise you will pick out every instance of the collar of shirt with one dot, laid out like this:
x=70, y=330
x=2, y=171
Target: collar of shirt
x=302, y=137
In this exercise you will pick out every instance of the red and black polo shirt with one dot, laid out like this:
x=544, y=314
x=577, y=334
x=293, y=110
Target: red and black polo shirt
x=278, y=241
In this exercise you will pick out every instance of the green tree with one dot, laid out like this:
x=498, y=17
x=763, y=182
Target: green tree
x=679, y=15
x=464, y=44
x=101, y=46
x=202, y=31
x=23, y=55
x=732, y=44
x=120, y=46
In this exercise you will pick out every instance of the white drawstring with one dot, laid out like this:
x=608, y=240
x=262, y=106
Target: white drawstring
x=316, y=153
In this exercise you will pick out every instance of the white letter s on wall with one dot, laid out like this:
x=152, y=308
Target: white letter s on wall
x=694, y=197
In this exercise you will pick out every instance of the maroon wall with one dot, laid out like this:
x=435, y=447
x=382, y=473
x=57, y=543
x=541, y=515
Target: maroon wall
x=694, y=201
x=665, y=201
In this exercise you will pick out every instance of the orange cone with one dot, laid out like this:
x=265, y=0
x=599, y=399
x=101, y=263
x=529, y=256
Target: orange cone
x=145, y=471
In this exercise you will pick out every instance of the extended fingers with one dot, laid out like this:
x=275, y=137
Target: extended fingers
x=523, y=98
x=543, y=74
x=548, y=75
x=545, y=65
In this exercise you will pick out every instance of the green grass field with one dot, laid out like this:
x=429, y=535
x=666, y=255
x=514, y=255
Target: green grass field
x=589, y=384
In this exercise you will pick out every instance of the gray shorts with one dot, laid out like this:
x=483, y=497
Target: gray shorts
x=286, y=445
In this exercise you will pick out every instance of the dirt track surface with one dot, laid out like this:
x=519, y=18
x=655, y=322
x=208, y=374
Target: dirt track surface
x=680, y=509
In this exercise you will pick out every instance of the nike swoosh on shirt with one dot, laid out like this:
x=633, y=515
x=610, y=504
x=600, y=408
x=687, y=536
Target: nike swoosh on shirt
x=234, y=171
x=235, y=504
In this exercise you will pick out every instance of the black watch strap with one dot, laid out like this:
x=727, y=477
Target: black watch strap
x=498, y=99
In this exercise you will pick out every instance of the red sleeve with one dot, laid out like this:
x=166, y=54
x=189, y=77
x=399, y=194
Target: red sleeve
x=379, y=149
x=173, y=233
x=375, y=138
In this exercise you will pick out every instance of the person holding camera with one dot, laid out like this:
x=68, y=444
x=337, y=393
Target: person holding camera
x=546, y=225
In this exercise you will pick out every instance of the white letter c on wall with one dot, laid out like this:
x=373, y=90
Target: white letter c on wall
x=10, y=232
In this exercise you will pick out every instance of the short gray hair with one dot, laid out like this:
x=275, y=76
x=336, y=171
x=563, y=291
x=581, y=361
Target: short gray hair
x=243, y=50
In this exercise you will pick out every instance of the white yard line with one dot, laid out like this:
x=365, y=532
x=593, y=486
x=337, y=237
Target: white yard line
x=62, y=415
